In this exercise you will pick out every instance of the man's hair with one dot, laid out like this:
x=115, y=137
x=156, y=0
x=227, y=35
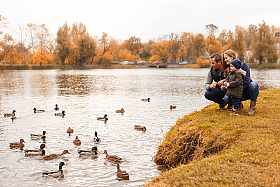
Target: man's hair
x=217, y=56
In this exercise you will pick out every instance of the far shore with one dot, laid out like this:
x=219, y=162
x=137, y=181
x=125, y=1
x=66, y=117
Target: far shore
x=78, y=67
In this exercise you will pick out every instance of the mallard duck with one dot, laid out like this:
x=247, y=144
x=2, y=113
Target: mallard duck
x=36, y=152
x=172, y=107
x=55, y=173
x=10, y=114
x=43, y=135
x=13, y=117
x=96, y=139
x=56, y=107
x=69, y=130
x=60, y=114
x=53, y=156
x=18, y=144
x=93, y=151
x=103, y=118
x=139, y=127
x=146, y=100
x=120, y=111
x=77, y=141
x=38, y=111
x=113, y=158
x=122, y=174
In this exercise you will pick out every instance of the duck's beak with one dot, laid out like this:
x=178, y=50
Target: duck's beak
x=46, y=147
x=65, y=165
x=46, y=133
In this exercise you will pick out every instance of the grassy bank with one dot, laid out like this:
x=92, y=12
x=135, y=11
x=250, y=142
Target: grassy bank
x=212, y=148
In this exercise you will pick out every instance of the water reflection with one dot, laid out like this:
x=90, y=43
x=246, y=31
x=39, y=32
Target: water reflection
x=86, y=95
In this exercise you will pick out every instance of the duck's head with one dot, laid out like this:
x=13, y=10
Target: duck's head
x=14, y=111
x=56, y=105
x=22, y=141
x=63, y=112
x=76, y=136
x=44, y=132
x=42, y=146
x=149, y=99
x=61, y=164
x=66, y=152
x=94, y=148
x=105, y=115
x=34, y=109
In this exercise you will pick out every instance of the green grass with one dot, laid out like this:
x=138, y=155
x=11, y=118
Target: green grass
x=238, y=150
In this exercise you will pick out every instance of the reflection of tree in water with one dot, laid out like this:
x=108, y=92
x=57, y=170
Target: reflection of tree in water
x=73, y=84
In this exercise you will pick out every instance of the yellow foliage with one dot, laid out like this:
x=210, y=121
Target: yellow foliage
x=202, y=62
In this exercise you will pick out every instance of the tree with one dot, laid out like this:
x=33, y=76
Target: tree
x=263, y=44
x=213, y=45
x=32, y=29
x=186, y=48
x=239, y=45
x=85, y=43
x=133, y=44
x=211, y=29
x=173, y=47
x=248, y=36
x=160, y=51
x=199, y=45
x=63, y=40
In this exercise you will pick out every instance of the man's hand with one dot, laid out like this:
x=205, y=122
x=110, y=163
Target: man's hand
x=213, y=85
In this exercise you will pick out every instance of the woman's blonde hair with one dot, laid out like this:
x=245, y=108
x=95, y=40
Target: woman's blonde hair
x=225, y=66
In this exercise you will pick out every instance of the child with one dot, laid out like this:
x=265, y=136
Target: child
x=234, y=84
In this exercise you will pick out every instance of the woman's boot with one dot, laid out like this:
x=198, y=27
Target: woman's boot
x=252, y=108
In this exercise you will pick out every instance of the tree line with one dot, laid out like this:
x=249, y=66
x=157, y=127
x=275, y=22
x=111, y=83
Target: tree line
x=74, y=45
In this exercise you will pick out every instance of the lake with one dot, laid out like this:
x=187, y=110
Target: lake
x=86, y=95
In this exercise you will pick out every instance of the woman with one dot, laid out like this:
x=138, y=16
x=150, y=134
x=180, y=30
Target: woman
x=250, y=88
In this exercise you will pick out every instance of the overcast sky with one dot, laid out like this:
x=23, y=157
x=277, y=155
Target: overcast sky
x=146, y=19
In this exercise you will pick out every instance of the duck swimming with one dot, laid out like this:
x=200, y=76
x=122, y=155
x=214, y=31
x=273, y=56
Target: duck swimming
x=139, y=127
x=36, y=152
x=113, y=158
x=77, y=141
x=38, y=111
x=172, y=107
x=10, y=114
x=120, y=111
x=43, y=135
x=60, y=114
x=69, y=131
x=55, y=173
x=103, y=118
x=122, y=174
x=53, y=156
x=18, y=144
x=93, y=151
x=56, y=107
x=96, y=139
x=146, y=100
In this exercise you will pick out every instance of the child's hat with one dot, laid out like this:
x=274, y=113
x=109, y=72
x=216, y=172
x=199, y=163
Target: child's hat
x=236, y=63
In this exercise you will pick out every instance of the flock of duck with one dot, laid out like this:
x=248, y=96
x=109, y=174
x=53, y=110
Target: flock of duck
x=94, y=151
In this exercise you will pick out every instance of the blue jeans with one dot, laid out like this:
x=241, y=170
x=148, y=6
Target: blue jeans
x=235, y=102
x=251, y=93
x=216, y=95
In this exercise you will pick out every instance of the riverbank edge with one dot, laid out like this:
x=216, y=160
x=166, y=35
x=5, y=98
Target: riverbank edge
x=86, y=67
x=252, y=158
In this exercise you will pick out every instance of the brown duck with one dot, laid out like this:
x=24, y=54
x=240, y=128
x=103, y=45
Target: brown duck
x=77, y=141
x=139, y=127
x=18, y=144
x=53, y=156
x=69, y=130
x=122, y=174
x=113, y=158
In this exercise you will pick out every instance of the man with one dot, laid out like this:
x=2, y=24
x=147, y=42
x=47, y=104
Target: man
x=213, y=90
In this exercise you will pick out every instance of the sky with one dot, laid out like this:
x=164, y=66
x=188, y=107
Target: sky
x=144, y=19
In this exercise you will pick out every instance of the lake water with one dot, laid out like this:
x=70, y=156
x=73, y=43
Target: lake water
x=86, y=95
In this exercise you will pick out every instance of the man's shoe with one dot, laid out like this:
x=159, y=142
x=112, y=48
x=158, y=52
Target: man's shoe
x=222, y=105
x=234, y=112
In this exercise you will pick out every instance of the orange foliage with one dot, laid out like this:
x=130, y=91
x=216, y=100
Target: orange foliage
x=202, y=62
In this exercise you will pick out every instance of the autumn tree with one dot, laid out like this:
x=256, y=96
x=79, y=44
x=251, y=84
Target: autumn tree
x=211, y=29
x=160, y=51
x=239, y=44
x=31, y=29
x=105, y=50
x=133, y=44
x=145, y=52
x=199, y=45
x=63, y=40
x=7, y=46
x=263, y=44
x=173, y=46
x=84, y=43
x=186, y=48
x=248, y=36
x=213, y=45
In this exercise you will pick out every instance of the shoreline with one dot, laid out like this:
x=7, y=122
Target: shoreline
x=86, y=67
x=226, y=150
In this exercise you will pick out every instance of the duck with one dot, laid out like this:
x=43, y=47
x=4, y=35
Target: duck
x=35, y=152
x=19, y=144
x=120, y=111
x=56, y=107
x=38, y=111
x=103, y=118
x=77, y=141
x=96, y=139
x=122, y=174
x=53, y=156
x=69, y=131
x=146, y=100
x=60, y=114
x=93, y=151
x=55, y=173
x=113, y=158
x=43, y=135
x=139, y=127
x=10, y=114
x=13, y=117
x=172, y=107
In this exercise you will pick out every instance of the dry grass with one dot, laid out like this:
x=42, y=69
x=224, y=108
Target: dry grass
x=212, y=148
